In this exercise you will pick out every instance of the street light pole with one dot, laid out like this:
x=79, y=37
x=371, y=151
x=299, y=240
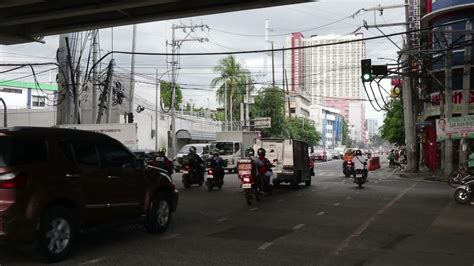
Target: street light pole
x=158, y=105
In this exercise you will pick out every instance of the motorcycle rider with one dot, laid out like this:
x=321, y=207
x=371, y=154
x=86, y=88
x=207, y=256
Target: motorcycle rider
x=217, y=163
x=162, y=161
x=360, y=162
x=265, y=168
x=197, y=164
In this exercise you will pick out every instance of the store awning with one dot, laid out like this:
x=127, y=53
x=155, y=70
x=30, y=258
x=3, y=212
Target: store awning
x=195, y=135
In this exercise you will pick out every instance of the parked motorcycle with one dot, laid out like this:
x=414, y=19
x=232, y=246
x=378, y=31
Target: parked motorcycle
x=463, y=181
x=246, y=173
x=191, y=175
x=215, y=175
x=347, y=168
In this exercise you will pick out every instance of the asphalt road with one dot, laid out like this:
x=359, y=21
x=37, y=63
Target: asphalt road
x=391, y=221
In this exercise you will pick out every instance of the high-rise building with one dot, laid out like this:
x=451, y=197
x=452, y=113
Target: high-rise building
x=372, y=126
x=329, y=75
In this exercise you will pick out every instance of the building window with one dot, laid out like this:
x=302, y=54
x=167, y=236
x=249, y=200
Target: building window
x=39, y=101
x=10, y=90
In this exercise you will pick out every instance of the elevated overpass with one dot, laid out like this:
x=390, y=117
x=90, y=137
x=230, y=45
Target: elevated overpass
x=28, y=20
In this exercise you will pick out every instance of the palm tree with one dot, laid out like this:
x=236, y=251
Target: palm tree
x=232, y=81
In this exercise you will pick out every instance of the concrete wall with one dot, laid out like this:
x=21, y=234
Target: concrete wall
x=145, y=124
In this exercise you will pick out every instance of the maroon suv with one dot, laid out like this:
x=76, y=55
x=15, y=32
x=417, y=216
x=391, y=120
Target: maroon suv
x=54, y=182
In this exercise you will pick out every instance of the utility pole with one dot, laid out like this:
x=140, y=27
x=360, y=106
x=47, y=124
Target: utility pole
x=132, y=74
x=466, y=85
x=64, y=109
x=226, y=101
x=175, y=46
x=412, y=163
x=105, y=93
x=448, y=82
x=95, y=74
x=247, y=109
x=75, y=96
x=157, y=106
x=267, y=46
x=110, y=80
x=273, y=67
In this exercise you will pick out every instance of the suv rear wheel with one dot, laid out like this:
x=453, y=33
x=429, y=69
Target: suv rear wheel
x=56, y=234
x=159, y=214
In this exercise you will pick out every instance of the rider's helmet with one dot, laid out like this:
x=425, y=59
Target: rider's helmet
x=215, y=151
x=261, y=152
x=250, y=152
x=358, y=153
x=192, y=149
x=161, y=151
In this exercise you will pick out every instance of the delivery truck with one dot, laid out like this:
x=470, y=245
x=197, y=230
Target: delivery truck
x=125, y=133
x=232, y=146
x=291, y=160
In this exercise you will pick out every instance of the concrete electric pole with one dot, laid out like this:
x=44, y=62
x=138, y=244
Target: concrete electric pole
x=175, y=46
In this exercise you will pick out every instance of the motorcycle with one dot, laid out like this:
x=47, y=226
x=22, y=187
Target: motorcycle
x=360, y=175
x=191, y=176
x=246, y=173
x=463, y=181
x=215, y=176
x=347, y=168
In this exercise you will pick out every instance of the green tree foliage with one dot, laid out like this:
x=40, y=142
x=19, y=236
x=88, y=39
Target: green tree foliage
x=303, y=129
x=393, y=128
x=165, y=93
x=233, y=81
x=270, y=102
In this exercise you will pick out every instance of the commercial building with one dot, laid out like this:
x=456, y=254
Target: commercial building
x=329, y=122
x=450, y=93
x=29, y=95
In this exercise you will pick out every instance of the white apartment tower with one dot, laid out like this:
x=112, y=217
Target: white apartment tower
x=330, y=74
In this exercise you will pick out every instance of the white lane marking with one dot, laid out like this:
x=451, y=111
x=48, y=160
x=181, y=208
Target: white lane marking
x=221, y=219
x=321, y=213
x=296, y=227
x=93, y=261
x=367, y=223
x=265, y=246
x=169, y=237
x=323, y=188
x=253, y=209
x=337, y=204
x=348, y=198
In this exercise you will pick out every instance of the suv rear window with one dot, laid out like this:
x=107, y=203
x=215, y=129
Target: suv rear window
x=16, y=151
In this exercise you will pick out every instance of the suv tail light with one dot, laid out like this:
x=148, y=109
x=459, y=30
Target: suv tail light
x=12, y=180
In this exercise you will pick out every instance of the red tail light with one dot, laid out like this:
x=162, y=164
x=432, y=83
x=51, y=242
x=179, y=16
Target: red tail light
x=12, y=180
x=187, y=167
x=209, y=171
x=246, y=180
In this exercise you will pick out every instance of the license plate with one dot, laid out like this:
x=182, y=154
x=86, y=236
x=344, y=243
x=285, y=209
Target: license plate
x=185, y=172
x=210, y=176
x=246, y=185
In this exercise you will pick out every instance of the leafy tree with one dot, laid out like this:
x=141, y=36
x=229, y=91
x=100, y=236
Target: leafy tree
x=393, y=128
x=165, y=93
x=302, y=128
x=270, y=102
x=234, y=81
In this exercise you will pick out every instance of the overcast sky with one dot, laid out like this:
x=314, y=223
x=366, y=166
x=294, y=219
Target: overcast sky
x=236, y=31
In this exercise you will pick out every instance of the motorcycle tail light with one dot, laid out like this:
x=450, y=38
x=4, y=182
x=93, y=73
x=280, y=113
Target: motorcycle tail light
x=210, y=171
x=246, y=179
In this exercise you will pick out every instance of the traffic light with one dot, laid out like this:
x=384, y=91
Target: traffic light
x=366, y=67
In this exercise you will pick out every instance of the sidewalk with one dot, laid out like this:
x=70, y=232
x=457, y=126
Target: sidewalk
x=423, y=174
